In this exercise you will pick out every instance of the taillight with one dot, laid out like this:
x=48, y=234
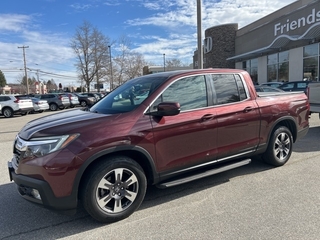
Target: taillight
x=16, y=101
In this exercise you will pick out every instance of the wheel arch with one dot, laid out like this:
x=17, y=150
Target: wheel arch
x=138, y=154
x=288, y=122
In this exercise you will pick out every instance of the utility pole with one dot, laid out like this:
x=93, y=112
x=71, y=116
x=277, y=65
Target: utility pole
x=199, y=26
x=25, y=66
x=164, y=62
x=39, y=83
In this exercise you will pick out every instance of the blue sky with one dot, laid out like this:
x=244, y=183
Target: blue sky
x=153, y=27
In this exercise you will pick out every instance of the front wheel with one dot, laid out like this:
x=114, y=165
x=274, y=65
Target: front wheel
x=114, y=189
x=280, y=147
x=53, y=107
x=83, y=103
x=7, y=112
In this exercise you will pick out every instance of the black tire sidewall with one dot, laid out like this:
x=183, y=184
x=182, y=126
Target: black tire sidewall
x=269, y=156
x=89, y=193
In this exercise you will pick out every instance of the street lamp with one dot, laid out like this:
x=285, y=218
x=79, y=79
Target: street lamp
x=200, y=51
x=164, y=62
x=111, y=82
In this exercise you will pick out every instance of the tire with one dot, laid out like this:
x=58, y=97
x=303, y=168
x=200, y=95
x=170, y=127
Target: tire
x=7, y=112
x=280, y=147
x=53, y=107
x=103, y=190
x=24, y=113
x=40, y=111
x=83, y=103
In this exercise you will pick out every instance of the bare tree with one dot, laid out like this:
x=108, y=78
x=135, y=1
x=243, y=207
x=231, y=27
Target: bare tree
x=91, y=48
x=127, y=64
x=135, y=64
x=174, y=62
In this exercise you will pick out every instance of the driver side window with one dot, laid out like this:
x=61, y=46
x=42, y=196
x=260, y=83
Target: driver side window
x=190, y=92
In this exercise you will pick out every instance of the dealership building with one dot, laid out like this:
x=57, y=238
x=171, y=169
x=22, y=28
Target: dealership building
x=282, y=46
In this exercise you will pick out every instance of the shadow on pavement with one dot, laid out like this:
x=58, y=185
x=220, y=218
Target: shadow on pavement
x=21, y=219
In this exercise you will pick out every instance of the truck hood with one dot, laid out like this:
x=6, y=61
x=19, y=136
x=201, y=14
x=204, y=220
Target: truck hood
x=69, y=118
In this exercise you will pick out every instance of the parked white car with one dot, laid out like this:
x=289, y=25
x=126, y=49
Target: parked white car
x=11, y=105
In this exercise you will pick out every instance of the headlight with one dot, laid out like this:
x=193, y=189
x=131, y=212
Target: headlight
x=38, y=147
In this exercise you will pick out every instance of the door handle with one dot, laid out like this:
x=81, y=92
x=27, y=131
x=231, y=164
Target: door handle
x=248, y=109
x=207, y=117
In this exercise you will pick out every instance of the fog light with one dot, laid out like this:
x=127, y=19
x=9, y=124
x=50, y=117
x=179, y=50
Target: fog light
x=35, y=193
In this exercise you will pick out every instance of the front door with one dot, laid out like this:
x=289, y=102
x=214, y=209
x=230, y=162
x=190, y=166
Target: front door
x=188, y=138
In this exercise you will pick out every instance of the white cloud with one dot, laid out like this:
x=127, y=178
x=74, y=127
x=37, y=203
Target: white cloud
x=13, y=22
x=45, y=49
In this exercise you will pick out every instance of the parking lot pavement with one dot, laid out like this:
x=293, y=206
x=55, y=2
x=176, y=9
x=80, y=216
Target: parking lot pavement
x=252, y=202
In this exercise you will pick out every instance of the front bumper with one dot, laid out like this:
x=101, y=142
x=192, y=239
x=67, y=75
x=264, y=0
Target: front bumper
x=26, y=184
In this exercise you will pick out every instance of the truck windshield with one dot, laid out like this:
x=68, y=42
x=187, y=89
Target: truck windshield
x=128, y=96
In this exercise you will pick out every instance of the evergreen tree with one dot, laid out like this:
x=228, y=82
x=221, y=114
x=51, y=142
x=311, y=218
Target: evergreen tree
x=3, y=80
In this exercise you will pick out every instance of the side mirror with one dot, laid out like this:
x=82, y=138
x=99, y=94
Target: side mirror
x=166, y=109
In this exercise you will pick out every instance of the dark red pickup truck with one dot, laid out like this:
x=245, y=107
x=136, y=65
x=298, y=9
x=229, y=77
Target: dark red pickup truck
x=162, y=129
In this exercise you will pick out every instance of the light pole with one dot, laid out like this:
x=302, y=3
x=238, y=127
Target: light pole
x=200, y=51
x=25, y=66
x=111, y=82
x=164, y=62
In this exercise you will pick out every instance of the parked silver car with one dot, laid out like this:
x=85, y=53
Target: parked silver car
x=74, y=100
x=39, y=105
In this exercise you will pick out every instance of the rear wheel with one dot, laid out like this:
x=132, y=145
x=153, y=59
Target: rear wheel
x=280, y=147
x=114, y=189
x=7, y=112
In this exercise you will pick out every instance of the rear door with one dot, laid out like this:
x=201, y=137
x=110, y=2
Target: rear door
x=188, y=138
x=238, y=117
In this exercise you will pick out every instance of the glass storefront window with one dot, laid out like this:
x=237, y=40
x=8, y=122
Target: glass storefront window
x=311, y=65
x=310, y=50
x=278, y=67
x=272, y=59
x=251, y=66
x=310, y=69
x=272, y=73
x=283, y=72
x=284, y=56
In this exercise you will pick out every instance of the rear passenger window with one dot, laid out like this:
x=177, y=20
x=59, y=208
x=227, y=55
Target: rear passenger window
x=241, y=89
x=302, y=85
x=190, y=92
x=228, y=88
